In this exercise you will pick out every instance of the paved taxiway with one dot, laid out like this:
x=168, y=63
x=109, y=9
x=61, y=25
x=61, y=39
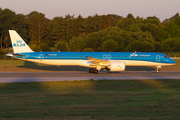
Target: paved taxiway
x=70, y=76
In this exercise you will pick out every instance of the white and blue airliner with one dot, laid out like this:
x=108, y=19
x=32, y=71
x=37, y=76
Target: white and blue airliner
x=111, y=61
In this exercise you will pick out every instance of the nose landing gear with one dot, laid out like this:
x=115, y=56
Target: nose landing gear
x=157, y=69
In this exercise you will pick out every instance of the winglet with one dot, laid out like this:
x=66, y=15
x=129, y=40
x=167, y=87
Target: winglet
x=18, y=44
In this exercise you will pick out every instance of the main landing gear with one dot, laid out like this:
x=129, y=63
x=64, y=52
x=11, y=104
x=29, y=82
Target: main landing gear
x=157, y=69
x=93, y=70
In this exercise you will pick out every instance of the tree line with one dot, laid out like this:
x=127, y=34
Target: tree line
x=95, y=33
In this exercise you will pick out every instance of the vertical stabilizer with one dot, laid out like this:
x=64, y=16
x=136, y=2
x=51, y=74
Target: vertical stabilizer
x=18, y=44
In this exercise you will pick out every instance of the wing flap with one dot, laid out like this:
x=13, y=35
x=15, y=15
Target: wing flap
x=99, y=61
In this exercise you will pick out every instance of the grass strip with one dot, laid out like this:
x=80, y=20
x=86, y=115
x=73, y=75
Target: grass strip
x=89, y=99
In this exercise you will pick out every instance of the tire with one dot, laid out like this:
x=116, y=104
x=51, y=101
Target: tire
x=95, y=71
x=91, y=70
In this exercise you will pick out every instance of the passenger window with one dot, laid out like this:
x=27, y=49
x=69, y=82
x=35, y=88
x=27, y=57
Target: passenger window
x=112, y=56
x=59, y=56
x=69, y=56
x=119, y=56
x=63, y=55
x=116, y=56
x=101, y=56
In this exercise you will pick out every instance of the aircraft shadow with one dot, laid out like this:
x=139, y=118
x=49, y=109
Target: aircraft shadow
x=36, y=66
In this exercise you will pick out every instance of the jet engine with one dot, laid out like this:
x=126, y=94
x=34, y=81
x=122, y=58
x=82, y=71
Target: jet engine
x=117, y=66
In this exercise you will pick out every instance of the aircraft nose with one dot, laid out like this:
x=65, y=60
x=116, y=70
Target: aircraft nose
x=172, y=61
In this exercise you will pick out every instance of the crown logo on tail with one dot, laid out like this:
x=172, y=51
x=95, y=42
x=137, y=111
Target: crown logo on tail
x=19, y=41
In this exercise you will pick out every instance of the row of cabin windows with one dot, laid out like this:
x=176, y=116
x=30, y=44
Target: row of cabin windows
x=100, y=56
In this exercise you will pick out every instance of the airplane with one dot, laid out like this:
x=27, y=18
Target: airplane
x=110, y=61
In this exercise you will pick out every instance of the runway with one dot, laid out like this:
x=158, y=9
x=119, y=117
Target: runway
x=71, y=76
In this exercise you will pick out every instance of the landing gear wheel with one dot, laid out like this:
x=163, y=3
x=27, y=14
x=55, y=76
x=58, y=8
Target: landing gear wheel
x=91, y=70
x=95, y=71
x=157, y=69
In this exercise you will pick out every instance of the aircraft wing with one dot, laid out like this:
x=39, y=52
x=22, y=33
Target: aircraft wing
x=99, y=61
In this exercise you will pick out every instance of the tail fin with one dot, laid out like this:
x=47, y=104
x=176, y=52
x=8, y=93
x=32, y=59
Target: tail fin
x=18, y=44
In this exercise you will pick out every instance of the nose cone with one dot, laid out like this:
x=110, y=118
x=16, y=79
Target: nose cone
x=172, y=61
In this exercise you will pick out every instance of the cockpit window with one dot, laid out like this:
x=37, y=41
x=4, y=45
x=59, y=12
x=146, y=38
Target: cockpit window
x=165, y=56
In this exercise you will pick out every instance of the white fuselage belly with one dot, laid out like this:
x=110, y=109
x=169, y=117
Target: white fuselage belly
x=86, y=63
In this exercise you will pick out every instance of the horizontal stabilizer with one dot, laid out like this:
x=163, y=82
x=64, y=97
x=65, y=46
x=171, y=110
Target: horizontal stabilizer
x=9, y=54
x=17, y=54
x=14, y=54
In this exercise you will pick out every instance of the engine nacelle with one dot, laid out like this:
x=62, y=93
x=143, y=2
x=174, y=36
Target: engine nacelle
x=117, y=66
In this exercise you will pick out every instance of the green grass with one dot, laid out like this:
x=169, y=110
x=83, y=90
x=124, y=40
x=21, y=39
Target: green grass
x=103, y=99
x=177, y=62
x=11, y=62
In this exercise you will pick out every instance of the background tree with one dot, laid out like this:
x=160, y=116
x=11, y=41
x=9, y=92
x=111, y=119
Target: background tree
x=95, y=39
x=105, y=22
x=88, y=50
x=91, y=24
x=68, y=27
x=126, y=22
x=118, y=35
x=77, y=44
x=173, y=19
x=173, y=29
x=38, y=26
x=172, y=44
x=21, y=26
x=91, y=33
x=45, y=47
x=140, y=46
x=109, y=45
x=56, y=29
x=7, y=22
x=61, y=46
x=1, y=41
x=78, y=26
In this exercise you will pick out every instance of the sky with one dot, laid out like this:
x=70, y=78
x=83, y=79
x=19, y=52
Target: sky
x=162, y=9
